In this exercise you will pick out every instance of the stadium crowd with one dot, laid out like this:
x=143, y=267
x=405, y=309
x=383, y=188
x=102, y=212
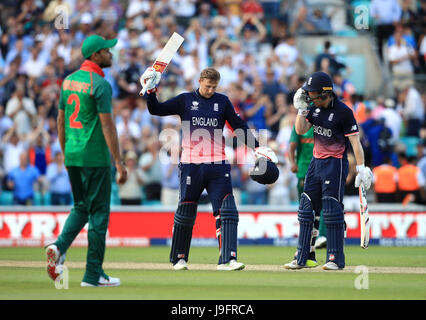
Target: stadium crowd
x=253, y=46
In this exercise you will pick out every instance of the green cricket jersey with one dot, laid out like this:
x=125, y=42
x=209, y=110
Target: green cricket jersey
x=304, y=151
x=84, y=94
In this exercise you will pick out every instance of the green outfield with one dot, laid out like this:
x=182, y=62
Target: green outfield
x=393, y=273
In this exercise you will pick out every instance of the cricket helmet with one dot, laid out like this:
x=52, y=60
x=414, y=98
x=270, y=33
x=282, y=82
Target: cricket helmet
x=319, y=82
x=264, y=171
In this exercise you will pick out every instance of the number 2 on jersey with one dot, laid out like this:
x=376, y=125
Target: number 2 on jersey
x=73, y=123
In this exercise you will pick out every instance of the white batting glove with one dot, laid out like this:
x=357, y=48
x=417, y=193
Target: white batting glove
x=150, y=79
x=267, y=153
x=300, y=102
x=364, y=177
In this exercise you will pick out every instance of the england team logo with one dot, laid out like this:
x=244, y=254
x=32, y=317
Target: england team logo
x=330, y=117
x=215, y=107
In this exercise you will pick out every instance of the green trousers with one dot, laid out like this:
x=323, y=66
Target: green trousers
x=91, y=188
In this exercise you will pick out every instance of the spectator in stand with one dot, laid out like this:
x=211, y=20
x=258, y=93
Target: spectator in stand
x=130, y=192
x=107, y=12
x=21, y=110
x=128, y=81
x=411, y=106
x=328, y=54
x=288, y=55
x=401, y=57
x=276, y=113
x=393, y=119
x=5, y=122
x=125, y=126
x=411, y=181
x=184, y=11
x=250, y=33
x=59, y=185
x=386, y=182
x=12, y=147
x=343, y=87
x=271, y=85
x=150, y=165
x=170, y=184
x=22, y=179
x=256, y=111
x=408, y=15
x=385, y=13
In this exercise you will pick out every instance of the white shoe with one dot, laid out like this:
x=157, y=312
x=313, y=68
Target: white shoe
x=180, y=265
x=55, y=261
x=103, y=282
x=331, y=266
x=232, y=265
x=294, y=266
x=321, y=242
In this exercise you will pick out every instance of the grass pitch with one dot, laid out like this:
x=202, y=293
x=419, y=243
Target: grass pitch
x=394, y=273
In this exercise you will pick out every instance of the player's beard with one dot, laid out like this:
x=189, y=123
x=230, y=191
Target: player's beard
x=106, y=63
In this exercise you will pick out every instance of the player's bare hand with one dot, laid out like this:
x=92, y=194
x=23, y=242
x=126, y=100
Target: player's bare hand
x=294, y=168
x=122, y=173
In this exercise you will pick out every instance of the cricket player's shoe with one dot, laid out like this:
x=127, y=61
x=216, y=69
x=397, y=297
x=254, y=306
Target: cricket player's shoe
x=294, y=266
x=180, y=265
x=321, y=242
x=103, y=282
x=232, y=265
x=55, y=261
x=331, y=266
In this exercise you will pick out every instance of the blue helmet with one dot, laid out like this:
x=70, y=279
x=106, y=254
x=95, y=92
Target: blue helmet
x=319, y=82
x=264, y=171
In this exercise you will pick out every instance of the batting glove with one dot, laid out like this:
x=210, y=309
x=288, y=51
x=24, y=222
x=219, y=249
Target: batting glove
x=300, y=102
x=364, y=177
x=150, y=79
x=267, y=153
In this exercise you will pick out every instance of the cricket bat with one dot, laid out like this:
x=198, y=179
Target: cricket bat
x=165, y=56
x=364, y=218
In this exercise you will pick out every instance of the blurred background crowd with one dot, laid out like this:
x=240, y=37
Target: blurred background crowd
x=255, y=45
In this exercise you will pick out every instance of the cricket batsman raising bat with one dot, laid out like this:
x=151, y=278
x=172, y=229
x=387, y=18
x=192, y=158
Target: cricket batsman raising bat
x=203, y=113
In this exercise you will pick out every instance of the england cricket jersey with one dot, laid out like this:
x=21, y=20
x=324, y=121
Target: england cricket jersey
x=202, y=124
x=331, y=127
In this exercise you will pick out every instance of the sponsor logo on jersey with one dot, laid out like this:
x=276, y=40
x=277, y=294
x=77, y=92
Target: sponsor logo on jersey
x=354, y=127
x=216, y=107
x=323, y=131
x=188, y=180
x=204, y=122
x=316, y=112
x=330, y=117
